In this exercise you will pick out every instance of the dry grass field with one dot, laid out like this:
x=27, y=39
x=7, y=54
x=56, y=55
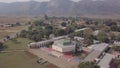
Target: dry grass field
x=103, y=16
x=4, y=20
x=11, y=20
x=6, y=31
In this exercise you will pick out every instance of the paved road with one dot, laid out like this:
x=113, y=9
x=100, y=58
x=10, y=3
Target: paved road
x=60, y=62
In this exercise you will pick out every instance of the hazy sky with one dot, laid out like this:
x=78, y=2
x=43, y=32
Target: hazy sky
x=24, y=0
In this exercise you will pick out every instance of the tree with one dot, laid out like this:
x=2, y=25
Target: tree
x=114, y=28
x=46, y=17
x=71, y=28
x=118, y=37
x=59, y=32
x=116, y=63
x=118, y=66
x=116, y=48
x=112, y=36
x=1, y=46
x=87, y=33
x=39, y=23
x=79, y=33
x=36, y=37
x=102, y=37
x=18, y=24
x=88, y=40
x=7, y=37
x=87, y=65
x=63, y=24
x=47, y=32
x=110, y=23
x=23, y=33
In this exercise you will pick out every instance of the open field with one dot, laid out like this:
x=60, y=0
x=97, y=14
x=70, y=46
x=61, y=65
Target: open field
x=11, y=20
x=4, y=20
x=19, y=43
x=3, y=34
x=102, y=16
x=19, y=59
x=6, y=31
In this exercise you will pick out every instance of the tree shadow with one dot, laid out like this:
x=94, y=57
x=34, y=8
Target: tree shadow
x=3, y=47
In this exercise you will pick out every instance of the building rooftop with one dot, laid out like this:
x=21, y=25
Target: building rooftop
x=105, y=62
x=81, y=29
x=92, y=56
x=99, y=47
x=63, y=42
x=96, y=32
x=78, y=38
x=50, y=40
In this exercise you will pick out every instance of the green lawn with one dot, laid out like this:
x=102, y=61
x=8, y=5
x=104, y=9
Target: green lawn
x=18, y=59
x=19, y=43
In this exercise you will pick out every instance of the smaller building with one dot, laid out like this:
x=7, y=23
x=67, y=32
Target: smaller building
x=96, y=42
x=116, y=43
x=78, y=38
x=93, y=56
x=95, y=33
x=39, y=44
x=64, y=45
x=106, y=61
x=99, y=47
x=81, y=29
x=44, y=43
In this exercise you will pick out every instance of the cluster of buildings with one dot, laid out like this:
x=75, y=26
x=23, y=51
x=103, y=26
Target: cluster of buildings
x=96, y=52
x=64, y=45
x=5, y=25
x=99, y=56
x=61, y=45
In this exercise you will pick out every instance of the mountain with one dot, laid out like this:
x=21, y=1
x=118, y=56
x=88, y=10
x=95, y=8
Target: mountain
x=62, y=8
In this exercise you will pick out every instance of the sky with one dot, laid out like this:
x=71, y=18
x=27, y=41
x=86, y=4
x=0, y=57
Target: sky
x=8, y=1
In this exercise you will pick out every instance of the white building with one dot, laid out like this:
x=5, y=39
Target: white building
x=81, y=29
x=95, y=33
x=116, y=43
x=99, y=47
x=43, y=43
x=93, y=56
x=106, y=61
x=78, y=38
x=64, y=45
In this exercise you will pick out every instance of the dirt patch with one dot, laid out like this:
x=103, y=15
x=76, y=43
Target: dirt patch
x=51, y=66
x=30, y=54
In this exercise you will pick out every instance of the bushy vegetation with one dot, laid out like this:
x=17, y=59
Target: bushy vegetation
x=40, y=30
x=87, y=65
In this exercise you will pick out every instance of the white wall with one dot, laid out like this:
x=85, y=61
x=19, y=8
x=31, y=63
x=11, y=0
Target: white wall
x=69, y=48
x=63, y=49
x=56, y=48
